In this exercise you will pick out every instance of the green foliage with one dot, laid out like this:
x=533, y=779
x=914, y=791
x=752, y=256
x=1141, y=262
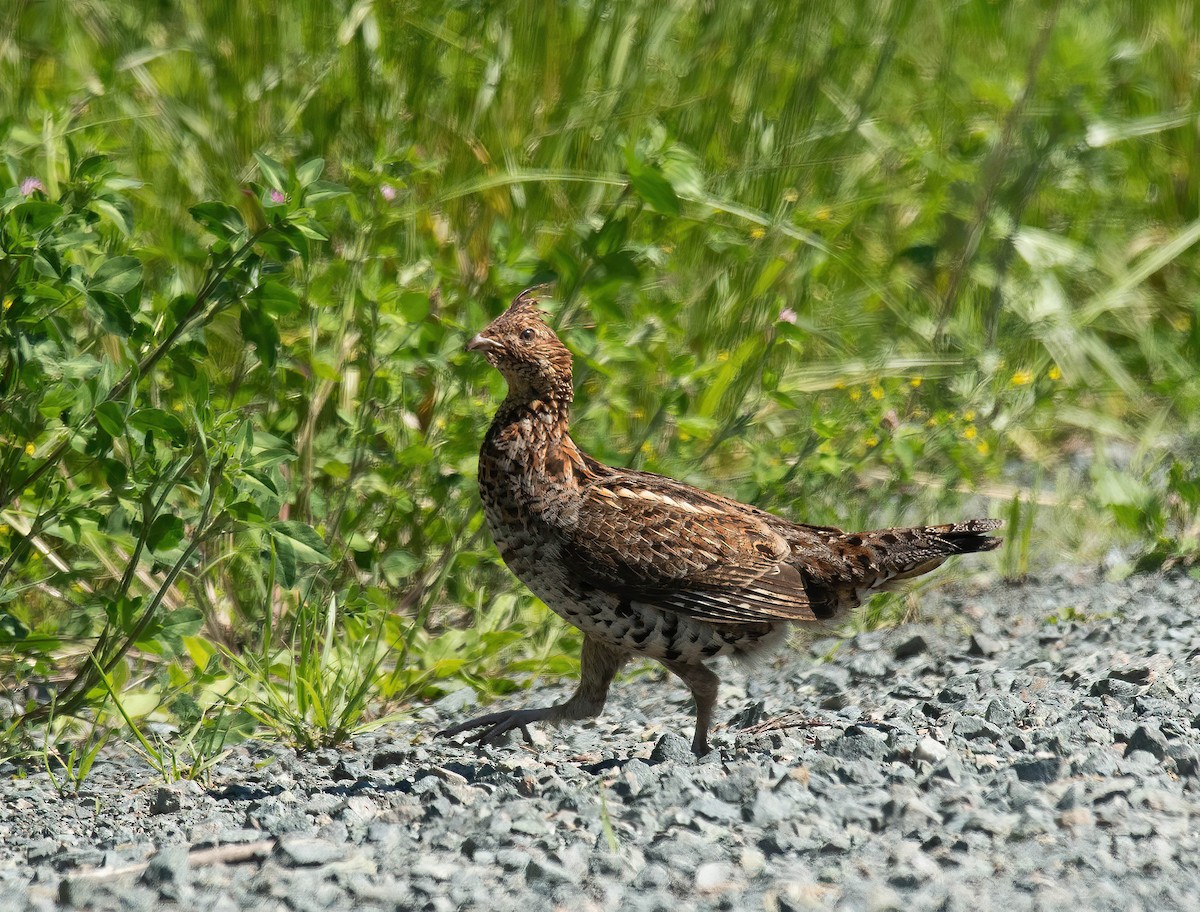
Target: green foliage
x=1162, y=511
x=315, y=690
x=862, y=264
x=1069, y=614
x=1019, y=522
x=69, y=769
x=189, y=752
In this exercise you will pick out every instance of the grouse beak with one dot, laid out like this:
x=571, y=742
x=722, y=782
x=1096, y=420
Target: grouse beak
x=482, y=343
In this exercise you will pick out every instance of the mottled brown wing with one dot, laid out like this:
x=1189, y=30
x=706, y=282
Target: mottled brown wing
x=659, y=542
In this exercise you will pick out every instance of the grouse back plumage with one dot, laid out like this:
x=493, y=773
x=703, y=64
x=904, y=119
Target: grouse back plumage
x=646, y=565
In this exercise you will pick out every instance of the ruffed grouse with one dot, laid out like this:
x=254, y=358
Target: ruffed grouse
x=648, y=566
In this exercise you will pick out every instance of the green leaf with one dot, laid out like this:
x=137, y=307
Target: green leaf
x=259, y=329
x=309, y=547
x=117, y=275
x=115, y=473
x=180, y=623
x=320, y=191
x=284, y=240
x=166, y=532
x=398, y=566
x=275, y=298
x=311, y=229
x=153, y=420
x=91, y=168
x=38, y=214
x=285, y=562
x=264, y=479
x=609, y=238
x=11, y=628
x=414, y=306
x=55, y=399
x=164, y=634
x=219, y=219
x=272, y=171
x=117, y=210
x=111, y=418
x=697, y=425
x=122, y=612
x=245, y=511
x=336, y=469
x=309, y=171
x=648, y=182
x=112, y=312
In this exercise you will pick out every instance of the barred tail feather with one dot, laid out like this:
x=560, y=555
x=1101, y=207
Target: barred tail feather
x=967, y=537
x=897, y=555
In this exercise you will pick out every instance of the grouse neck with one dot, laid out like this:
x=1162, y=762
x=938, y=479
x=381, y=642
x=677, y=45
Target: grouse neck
x=550, y=412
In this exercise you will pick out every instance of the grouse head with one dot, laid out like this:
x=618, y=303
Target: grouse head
x=520, y=345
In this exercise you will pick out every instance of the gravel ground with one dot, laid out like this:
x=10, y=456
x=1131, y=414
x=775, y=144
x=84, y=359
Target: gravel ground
x=989, y=757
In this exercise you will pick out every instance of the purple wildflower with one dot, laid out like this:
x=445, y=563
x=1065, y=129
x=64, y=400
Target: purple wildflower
x=787, y=315
x=387, y=191
x=278, y=198
x=30, y=184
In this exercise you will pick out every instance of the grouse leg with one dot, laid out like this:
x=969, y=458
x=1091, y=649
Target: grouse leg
x=702, y=682
x=599, y=663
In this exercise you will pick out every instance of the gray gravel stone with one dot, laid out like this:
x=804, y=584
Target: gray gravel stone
x=1147, y=738
x=1014, y=766
x=913, y=646
x=1045, y=769
x=930, y=751
x=303, y=851
x=672, y=747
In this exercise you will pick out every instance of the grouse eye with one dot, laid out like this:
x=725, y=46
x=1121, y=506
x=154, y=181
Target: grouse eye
x=526, y=335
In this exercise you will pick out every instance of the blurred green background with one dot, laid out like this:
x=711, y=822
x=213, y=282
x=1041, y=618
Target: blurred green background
x=859, y=263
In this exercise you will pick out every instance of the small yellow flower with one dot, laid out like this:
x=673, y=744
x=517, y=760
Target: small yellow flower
x=1021, y=378
x=969, y=415
x=969, y=432
x=1054, y=373
x=790, y=195
x=3, y=529
x=722, y=356
x=876, y=392
x=983, y=448
x=8, y=302
x=758, y=233
x=872, y=441
x=30, y=449
x=855, y=394
x=839, y=385
x=822, y=214
x=932, y=422
x=914, y=382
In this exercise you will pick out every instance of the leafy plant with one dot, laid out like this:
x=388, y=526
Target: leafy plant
x=316, y=690
x=143, y=480
x=69, y=767
x=188, y=754
x=1162, y=511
